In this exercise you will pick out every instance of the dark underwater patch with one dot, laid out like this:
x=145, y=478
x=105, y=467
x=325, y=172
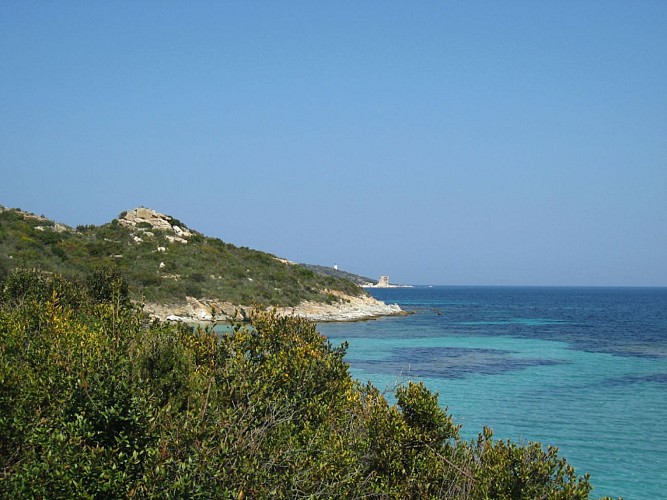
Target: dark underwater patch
x=657, y=378
x=449, y=362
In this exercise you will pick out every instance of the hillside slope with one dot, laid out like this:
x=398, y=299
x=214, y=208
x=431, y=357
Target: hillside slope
x=172, y=268
x=332, y=271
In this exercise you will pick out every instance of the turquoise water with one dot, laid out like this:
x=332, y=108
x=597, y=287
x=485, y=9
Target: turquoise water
x=581, y=369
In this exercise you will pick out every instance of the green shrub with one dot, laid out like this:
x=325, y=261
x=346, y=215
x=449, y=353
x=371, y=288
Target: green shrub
x=506, y=470
x=33, y=285
x=108, y=285
x=48, y=237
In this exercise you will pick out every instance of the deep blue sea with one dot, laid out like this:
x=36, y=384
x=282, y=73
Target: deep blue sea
x=584, y=369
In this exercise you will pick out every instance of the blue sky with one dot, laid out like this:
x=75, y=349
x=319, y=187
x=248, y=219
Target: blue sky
x=463, y=143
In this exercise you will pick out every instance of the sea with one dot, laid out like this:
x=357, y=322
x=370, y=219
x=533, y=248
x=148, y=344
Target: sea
x=583, y=369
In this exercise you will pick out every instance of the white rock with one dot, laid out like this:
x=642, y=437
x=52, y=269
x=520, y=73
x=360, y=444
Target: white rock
x=175, y=239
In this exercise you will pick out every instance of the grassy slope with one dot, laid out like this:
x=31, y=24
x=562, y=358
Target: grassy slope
x=203, y=268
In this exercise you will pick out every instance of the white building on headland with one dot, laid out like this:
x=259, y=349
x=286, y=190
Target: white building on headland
x=383, y=282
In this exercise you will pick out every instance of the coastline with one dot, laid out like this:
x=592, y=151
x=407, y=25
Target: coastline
x=347, y=308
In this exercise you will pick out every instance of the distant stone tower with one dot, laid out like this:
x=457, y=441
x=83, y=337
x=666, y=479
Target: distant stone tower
x=383, y=282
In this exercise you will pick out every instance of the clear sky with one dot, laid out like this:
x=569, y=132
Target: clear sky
x=438, y=142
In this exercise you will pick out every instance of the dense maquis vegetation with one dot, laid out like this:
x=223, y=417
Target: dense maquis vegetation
x=98, y=401
x=203, y=268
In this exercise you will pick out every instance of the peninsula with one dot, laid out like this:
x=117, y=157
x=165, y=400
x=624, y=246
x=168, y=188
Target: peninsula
x=178, y=273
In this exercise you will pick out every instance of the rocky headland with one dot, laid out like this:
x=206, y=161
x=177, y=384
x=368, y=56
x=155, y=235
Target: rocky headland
x=343, y=308
x=180, y=274
x=347, y=308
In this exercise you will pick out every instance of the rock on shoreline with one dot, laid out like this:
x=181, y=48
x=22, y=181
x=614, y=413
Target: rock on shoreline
x=348, y=308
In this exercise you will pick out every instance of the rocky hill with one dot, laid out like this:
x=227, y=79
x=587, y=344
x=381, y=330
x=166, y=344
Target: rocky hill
x=178, y=272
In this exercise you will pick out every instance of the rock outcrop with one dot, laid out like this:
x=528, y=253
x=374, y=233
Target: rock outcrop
x=198, y=311
x=143, y=219
x=348, y=308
